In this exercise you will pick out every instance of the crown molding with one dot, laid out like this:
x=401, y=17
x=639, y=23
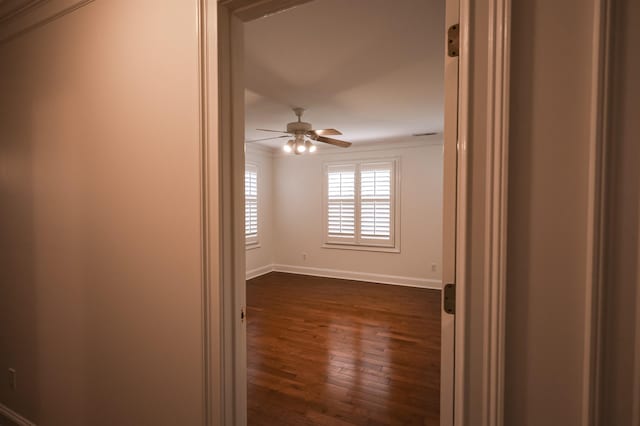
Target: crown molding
x=10, y=9
x=249, y=10
x=27, y=15
x=254, y=148
x=383, y=145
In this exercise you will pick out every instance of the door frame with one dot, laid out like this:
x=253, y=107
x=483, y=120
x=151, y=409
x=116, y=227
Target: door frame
x=222, y=122
x=221, y=307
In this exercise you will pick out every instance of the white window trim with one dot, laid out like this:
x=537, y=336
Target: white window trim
x=254, y=242
x=366, y=245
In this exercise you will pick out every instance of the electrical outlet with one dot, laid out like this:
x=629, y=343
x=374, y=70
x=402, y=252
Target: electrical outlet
x=13, y=383
x=434, y=267
x=304, y=256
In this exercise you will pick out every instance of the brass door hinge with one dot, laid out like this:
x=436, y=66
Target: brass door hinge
x=449, y=301
x=453, y=41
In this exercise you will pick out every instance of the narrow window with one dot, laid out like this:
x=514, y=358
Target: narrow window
x=341, y=200
x=375, y=202
x=251, y=204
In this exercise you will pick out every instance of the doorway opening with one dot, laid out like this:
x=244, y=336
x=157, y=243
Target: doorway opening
x=346, y=248
x=343, y=212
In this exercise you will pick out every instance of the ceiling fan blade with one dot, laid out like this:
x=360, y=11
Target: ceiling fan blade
x=332, y=141
x=276, y=131
x=266, y=139
x=325, y=132
x=425, y=134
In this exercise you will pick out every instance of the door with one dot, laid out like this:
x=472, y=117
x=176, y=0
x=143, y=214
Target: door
x=449, y=212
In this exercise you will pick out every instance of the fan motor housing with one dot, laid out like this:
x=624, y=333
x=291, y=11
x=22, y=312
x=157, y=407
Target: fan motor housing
x=298, y=127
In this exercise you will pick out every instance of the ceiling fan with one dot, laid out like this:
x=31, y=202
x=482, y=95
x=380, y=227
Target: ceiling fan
x=303, y=135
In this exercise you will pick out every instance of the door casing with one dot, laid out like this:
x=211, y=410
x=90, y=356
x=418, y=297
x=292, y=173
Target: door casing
x=223, y=109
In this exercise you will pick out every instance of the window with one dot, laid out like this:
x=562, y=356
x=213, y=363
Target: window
x=251, y=204
x=360, y=204
x=341, y=203
x=375, y=201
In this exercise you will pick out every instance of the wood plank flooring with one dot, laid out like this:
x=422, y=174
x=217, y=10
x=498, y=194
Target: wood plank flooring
x=324, y=351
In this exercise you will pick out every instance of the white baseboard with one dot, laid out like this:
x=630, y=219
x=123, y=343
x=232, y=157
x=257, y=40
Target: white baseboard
x=360, y=276
x=254, y=273
x=14, y=417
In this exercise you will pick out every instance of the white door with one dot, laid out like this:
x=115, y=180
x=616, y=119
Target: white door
x=449, y=207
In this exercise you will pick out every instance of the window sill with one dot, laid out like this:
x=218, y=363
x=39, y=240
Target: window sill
x=251, y=246
x=356, y=247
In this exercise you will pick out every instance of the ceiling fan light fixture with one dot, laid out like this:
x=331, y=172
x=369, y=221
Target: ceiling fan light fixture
x=303, y=136
x=310, y=147
x=288, y=147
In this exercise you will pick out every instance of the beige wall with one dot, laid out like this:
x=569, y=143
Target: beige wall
x=549, y=157
x=261, y=257
x=100, y=278
x=621, y=298
x=546, y=282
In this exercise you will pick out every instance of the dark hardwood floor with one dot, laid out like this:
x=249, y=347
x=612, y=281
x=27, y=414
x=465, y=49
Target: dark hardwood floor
x=324, y=351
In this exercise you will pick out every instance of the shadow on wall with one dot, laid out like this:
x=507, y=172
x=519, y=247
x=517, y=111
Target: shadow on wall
x=19, y=322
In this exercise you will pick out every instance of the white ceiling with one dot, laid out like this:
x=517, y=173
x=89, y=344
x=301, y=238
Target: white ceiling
x=372, y=69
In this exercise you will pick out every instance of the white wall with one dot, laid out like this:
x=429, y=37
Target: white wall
x=260, y=258
x=298, y=216
x=100, y=275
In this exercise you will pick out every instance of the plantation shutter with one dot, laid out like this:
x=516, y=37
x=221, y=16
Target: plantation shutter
x=251, y=203
x=341, y=200
x=376, y=202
